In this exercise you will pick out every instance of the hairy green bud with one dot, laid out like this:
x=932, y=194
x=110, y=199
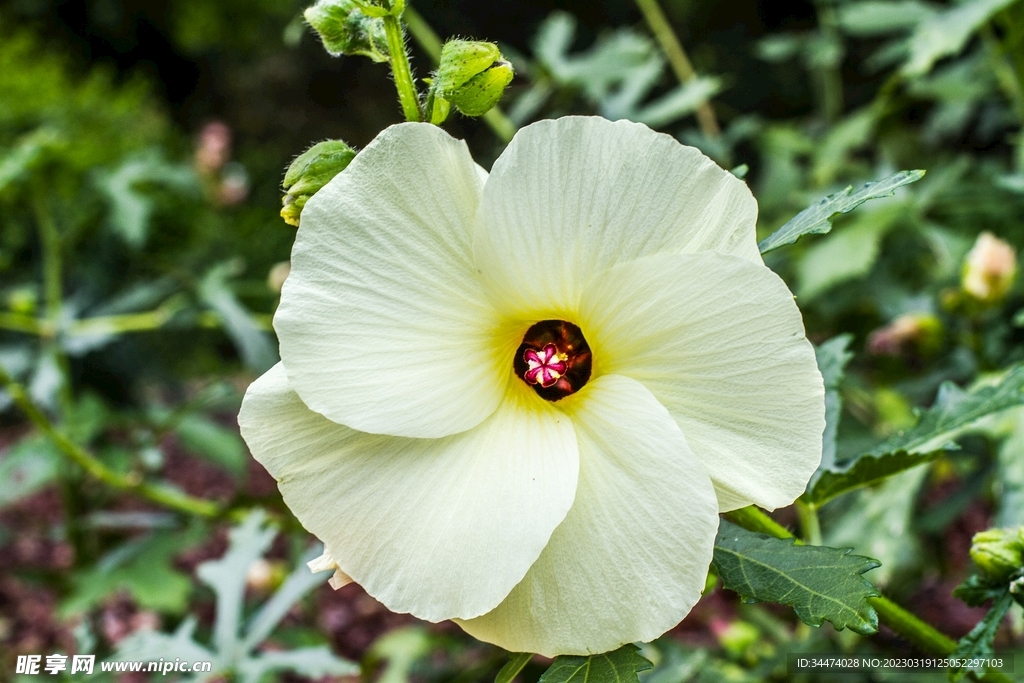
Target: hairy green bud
x=999, y=553
x=472, y=76
x=310, y=171
x=346, y=27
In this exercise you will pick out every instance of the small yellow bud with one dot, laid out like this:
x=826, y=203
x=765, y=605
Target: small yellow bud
x=310, y=171
x=990, y=269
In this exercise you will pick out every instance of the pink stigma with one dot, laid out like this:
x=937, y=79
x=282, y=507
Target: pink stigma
x=544, y=368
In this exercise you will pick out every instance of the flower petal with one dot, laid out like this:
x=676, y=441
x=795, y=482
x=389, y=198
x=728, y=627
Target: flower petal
x=632, y=556
x=383, y=325
x=570, y=198
x=440, y=528
x=720, y=342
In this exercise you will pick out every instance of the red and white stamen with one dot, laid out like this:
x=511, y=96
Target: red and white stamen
x=545, y=367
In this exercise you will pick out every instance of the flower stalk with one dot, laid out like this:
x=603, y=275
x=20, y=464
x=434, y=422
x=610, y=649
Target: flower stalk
x=904, y=623
x=400, y=69
x=676, y=55
x=421, y=31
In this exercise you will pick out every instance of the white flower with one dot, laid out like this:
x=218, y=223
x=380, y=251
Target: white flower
x=413, y=424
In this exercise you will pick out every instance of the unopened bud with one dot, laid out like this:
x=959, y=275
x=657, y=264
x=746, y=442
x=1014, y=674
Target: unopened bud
x=919, y=333
x=990, y=269
x=472, y=76
x=346, y=29
x=998, y=552
x=310, y=171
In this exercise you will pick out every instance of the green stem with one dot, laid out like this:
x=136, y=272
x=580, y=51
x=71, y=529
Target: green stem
x=53, y=275
x=830, y=75
x=810, y=525
x=673, y=49
x=404, y=82
x=499, y=123
x=96, y=469
x=18, y=322
x=901, y=621
x=1010, y=82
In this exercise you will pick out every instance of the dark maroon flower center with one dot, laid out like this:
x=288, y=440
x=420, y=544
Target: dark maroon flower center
x=554, y=359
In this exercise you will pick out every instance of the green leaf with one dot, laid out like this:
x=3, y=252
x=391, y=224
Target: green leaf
x=820, y=584
x=515, y=664
x=878, y=523
x=401, y=649
x=619, y=666
x=816, y=219
x=954, y=411
x=226, y=576
x=127, y=189
x=29, y=466
x=947, y=33
x=844, y=255
x=876, y=18
x=253, y=344
x=980, y=641
x=217, y=443
x=26, y=155
x=978, y=589
x=832, y=357
x=143, y=568
x=310, y=662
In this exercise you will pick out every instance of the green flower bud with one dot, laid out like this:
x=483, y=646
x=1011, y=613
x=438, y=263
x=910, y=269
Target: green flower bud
x=346, y=28
x=998, y=552
x=473, y=76
x=310, y=171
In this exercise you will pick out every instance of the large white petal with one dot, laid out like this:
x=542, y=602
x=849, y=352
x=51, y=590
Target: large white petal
x=440, y=528
x=571, y=197
x=720, y=342
x=382, y=322
x=632, y=556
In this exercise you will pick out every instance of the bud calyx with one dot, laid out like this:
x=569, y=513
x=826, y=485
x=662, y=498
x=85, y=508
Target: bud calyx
x=310, y=171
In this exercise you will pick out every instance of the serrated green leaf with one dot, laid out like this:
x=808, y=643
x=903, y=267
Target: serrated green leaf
x=977, y=590
x=979, y=643
x=618, y=666
x=816, y=219
x=820, y=584
x=954, y=411
x=947, y=33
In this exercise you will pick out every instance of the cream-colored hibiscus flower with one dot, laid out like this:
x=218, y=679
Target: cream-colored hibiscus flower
x=520, y=400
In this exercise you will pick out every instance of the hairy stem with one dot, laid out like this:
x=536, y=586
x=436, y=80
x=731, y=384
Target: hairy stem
x=421, y=31
x=404, y=82
x=673, y=49
x=901, y=621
